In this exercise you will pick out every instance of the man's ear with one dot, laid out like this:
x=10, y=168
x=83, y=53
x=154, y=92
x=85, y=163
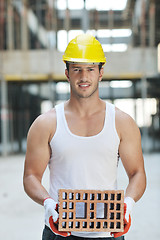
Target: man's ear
x=101, y=74
x=67, y=74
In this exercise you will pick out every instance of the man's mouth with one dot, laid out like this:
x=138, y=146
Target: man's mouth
x=84, y=85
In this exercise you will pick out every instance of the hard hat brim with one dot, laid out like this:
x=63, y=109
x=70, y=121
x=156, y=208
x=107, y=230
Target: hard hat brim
x=83, y=61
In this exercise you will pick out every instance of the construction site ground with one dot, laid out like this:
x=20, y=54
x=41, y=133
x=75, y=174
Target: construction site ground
x=21, y=218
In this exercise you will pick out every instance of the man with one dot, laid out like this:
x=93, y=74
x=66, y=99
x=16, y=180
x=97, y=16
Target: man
x=81, y=141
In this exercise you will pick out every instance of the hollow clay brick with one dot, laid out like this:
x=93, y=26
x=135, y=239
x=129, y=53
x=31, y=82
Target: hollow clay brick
x=111, y=202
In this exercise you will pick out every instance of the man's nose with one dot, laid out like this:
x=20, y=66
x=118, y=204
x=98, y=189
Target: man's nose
x=84, y=75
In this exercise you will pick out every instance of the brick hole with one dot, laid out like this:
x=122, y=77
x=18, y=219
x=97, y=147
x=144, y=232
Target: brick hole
x=105, y=196
x=64, y=205
x=71, y=205
x=70, y=225
x=81, y=210
x=84, y=225
x=119, y=196
x=92, y=196
x=118, y=206
x=64, y=196
x=111, y=206
x=85, y=196
x=118, y=225
x=101, y=210
x=78, y=196
x=91, y=206
x=63, y=224
x=98, y=196
x=91, y=225
x=64, y=216
x=71, y=196
x=98, y=225
x=77, y=225
x=105, y=225
x=111, y=225
x=118, y=216
x=112, y=197
x=111, y=216
x=91, y=215
x=70, y=215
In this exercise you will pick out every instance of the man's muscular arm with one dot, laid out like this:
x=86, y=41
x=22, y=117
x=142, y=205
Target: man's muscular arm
x=132, y=158
x=131, y=155
x=37, y=157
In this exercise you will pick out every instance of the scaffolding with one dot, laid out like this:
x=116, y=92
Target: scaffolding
x=29, y=31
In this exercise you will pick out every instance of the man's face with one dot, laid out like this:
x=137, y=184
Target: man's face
x=84, y=79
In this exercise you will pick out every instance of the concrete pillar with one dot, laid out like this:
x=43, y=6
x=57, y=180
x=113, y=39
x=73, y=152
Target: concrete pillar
x=96, y=19
x=3, y=89
x=144, y=78
x=143, y=24
x=10, y=32
x=111, y=22
x=4, y=115
x=144, y=97
x=52, y=26
x=67, y=20
x=51, y=23
x=152, y=24
x=24, y=27
x=135, y=105
x=54, y=16
x=2, y=19
x=85, y=18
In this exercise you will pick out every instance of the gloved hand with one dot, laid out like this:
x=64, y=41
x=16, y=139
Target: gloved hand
x=128, y=206
x=51, y=217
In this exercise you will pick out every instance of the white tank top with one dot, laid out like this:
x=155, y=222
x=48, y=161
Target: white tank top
x=79, y=162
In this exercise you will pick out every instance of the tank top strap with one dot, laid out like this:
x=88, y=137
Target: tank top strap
x=59, y=115
x=110, y=124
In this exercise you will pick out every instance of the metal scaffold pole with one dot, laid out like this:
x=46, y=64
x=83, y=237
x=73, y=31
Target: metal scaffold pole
x=144, y=78
x=3, y=92
x=4, y=115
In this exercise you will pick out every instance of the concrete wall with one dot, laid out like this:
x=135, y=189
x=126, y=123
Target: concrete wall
x=45, y=64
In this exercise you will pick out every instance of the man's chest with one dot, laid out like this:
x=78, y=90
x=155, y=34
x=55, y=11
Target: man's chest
x=86, y=126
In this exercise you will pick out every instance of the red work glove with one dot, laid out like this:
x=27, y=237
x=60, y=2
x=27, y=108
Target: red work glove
x=128, y=206
x=51, y=217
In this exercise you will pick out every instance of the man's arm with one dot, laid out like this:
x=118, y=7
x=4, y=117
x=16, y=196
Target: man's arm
x=37, y=157
x=132, y=158
x=131, y=155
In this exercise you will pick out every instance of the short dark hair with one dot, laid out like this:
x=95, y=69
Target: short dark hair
x=67, y=66
x=100, y=66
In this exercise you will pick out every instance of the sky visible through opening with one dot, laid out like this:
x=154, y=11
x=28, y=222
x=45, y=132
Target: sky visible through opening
x=117, y=5
x=99, y=5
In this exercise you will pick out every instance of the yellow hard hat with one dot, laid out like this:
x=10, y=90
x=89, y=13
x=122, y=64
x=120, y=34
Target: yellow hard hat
x=84, y=49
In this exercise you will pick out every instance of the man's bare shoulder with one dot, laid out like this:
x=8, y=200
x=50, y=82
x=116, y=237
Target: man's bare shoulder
x=122, y=116
x=45, y=123
x=46, y=118
x=125, y=124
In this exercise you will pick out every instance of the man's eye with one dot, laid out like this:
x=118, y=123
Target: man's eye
x=91, y=69
x=76, y=70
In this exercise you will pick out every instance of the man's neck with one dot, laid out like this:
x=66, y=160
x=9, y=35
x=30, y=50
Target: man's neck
x=85, y=107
